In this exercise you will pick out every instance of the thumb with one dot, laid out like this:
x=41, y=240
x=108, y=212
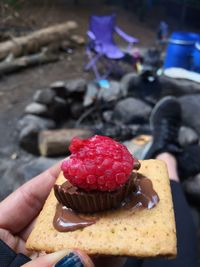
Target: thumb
x=62, y=259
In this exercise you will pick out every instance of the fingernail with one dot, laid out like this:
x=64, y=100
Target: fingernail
x=71, y=260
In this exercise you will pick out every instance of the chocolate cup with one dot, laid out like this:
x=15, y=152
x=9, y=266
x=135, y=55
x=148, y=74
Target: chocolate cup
x=95, y=201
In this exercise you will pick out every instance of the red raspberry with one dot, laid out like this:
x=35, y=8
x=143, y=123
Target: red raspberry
x=98, y=163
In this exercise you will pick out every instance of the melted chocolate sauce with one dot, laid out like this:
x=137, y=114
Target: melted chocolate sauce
x=66, y=220
x=143, y=196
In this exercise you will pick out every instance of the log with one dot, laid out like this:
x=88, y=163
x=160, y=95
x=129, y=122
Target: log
x=56, y=142
x=34, y=41
x=26, y=61
x=77, y=39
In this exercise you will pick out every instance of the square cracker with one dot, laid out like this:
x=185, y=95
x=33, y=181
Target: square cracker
x=142, y=233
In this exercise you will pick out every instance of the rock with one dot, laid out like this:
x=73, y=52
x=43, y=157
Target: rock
x=29, y=127
x=76, y=110
x=35, y=167
x=28, y=138
x=90, y=94
x=17, y=173
x=178, y=87
x=9, y=178
x=44, y=96
x=134, y=128
x=107, y=115
x=145, y=86
x=110, y=130
x=131, y=110
x=187, y=136
x=59, y=88
x=60, y=109
x=192, y=188
x=36, y=109
x=124, y=132
x=140, y=129
x=149, y=88
x=75, y=86
x=4, y=165
x=42, y=123
x=113, y=93
x=144, y=129
x=191, y=111
x=120, y=131
x=128, y=83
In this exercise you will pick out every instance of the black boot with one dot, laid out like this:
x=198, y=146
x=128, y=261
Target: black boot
x=165, y=121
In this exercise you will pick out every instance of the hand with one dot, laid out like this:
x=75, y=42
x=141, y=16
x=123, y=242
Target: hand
x=19, y=210
x=18, y=213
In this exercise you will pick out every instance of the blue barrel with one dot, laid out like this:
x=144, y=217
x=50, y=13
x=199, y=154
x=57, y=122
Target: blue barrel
x=180, y=50
x=196, y=57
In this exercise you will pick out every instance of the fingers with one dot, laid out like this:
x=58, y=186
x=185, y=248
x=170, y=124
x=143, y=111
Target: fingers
x=87, y=262
x=62, y=259
x=24, y=234
x=14, y=242
x=21, y=207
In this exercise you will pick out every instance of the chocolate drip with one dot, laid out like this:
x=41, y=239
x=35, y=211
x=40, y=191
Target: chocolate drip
x=66, y=220
x=144, y=194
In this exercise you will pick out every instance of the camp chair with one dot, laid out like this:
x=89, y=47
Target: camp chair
x=101, y=44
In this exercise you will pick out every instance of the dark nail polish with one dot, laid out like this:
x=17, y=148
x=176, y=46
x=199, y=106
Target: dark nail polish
x=71, y=260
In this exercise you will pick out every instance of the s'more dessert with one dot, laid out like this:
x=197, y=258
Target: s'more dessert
x=107, y=202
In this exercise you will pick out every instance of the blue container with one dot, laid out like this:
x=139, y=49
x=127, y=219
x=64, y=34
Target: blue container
x=196, y=57
x=180, y=50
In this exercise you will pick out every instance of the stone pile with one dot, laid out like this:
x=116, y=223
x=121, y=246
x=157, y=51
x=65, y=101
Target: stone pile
x=51, y=108
x=121, y=111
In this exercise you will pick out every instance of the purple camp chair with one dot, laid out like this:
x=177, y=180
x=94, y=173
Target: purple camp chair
x=102, y=46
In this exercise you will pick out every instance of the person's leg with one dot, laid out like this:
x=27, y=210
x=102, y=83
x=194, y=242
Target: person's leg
x=186, y=232
x=133, y=262
x=171, y=163
x=165, y=122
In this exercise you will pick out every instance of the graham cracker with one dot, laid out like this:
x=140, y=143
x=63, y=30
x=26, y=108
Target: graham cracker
x=141, y=233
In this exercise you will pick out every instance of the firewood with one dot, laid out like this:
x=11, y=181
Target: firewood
x=17, y=64
x=34, y=41
x=77, y=39
x=56, y=142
